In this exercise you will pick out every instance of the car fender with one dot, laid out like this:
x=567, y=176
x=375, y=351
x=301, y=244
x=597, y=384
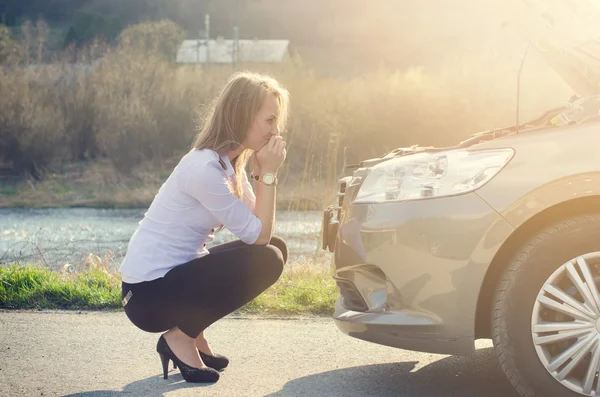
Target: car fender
x=556, y=192
x=557, y=199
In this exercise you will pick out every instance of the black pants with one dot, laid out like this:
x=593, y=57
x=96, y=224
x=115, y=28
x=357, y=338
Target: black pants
x=194, y=295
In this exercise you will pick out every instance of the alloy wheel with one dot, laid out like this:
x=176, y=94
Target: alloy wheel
x=565, y=324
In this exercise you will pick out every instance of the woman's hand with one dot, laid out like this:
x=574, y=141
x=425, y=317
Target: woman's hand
x=270, y=157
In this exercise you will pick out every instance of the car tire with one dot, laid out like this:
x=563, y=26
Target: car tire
x=514, y=303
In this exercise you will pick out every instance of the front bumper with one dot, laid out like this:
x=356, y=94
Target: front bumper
x=410, y=272
x=400, y=329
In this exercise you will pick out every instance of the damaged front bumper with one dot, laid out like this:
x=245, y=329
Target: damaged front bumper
x=410, y=273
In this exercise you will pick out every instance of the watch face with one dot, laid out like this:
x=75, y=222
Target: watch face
x=268, y=179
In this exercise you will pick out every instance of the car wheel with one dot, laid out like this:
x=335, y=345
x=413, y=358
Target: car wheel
x=546, y=312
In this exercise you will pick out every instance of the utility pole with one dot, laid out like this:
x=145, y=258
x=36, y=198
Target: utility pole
x=198, y=44
x=207, y=37
x=236, y=45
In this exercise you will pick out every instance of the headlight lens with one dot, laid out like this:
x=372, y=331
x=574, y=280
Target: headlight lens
x=425, y=175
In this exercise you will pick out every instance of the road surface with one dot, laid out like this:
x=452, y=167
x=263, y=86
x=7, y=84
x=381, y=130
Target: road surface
x=101, y=354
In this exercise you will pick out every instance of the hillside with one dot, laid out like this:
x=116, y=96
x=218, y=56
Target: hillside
x=372, y=77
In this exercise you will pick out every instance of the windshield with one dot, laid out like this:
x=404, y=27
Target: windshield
x=566, y=33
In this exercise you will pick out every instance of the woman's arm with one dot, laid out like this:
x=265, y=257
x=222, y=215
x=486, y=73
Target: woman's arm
x=210, y=188
x=206, y=182
x=265, y=211
x=269, y=159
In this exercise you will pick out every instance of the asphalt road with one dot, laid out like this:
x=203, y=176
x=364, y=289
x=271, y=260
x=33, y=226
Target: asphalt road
x=102, y=354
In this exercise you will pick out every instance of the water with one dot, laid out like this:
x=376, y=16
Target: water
x=55, y=237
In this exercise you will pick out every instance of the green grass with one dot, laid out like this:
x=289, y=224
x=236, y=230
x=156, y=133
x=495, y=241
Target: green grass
x=28, y=287
x=301, y=290
x=8, y=191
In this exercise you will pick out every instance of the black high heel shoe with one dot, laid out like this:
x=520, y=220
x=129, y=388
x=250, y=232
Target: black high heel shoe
x=217, y=362
x=190, y=374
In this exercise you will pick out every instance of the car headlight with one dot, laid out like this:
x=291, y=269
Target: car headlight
x=426, y=175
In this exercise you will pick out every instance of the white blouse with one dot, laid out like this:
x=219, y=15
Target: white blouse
x=193, y=202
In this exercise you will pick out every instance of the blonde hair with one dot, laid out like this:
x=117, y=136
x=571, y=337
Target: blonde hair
x=231, y=114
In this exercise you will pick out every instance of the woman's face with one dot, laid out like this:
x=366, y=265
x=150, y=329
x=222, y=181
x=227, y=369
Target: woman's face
x=264, y=125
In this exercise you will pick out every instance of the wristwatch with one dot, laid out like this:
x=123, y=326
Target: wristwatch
x=267, y=178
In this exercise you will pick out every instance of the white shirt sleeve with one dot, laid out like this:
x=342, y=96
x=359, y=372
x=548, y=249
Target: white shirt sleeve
x=207, y=183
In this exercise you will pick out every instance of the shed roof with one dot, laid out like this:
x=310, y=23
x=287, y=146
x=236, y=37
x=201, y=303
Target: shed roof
x=222, y=51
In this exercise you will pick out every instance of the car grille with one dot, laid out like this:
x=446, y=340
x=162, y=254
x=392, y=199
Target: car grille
x=340, y=197
x=348, y=188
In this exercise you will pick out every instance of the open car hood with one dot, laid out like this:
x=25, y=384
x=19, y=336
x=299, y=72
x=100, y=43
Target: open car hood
x=565, y=33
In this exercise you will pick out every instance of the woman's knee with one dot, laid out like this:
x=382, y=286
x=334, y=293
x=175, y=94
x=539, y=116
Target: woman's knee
x=273, y=261
x=281, y=244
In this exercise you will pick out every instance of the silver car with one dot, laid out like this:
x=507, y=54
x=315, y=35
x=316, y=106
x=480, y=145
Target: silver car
x=497, y=237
